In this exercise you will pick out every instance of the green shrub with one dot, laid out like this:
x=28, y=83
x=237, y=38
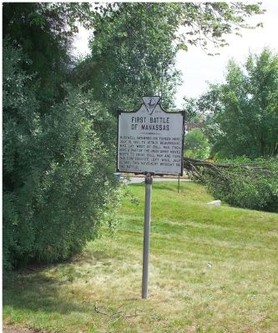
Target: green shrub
x=58, y=170
x=253, y=186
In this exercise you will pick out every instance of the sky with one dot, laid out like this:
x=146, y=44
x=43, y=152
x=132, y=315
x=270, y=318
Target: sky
x=198, y=68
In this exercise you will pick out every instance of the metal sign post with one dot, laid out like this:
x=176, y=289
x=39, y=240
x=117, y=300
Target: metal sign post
x=147, y=226
x=150, y=141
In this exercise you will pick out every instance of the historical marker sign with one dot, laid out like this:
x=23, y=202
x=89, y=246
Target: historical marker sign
x=150, y=140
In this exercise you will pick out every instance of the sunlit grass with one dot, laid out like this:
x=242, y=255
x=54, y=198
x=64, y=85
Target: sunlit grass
x=212, y=269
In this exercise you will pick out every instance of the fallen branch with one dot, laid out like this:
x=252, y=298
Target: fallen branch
x=196, y=167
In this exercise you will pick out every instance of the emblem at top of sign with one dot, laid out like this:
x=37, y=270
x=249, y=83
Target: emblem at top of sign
x=151, y=103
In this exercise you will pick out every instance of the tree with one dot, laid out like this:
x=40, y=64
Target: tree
x=196, y=144
x=245, y=111
x=44, y=32
x=132, y=56
x=58, y=151
x=58, y=169
x=134, y=46
x=21, y=129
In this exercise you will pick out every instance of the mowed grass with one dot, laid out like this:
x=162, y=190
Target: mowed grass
x=212, y=269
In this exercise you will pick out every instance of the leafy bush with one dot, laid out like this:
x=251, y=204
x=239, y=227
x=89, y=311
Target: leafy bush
x=78, y=182
x=58, y=169
x=21, y=130
x=253, y=186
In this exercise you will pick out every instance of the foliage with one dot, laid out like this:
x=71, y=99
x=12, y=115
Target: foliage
x=206, y=24
x=253, y=185
x=21, y=129
x=29, y=29
x=245, y=108
x=132, y=56
x=58, y=169
x=196, y=144
x=81, y=169
x=44, y=32
x=243, y=123
x=58, y=152
x=134, y=46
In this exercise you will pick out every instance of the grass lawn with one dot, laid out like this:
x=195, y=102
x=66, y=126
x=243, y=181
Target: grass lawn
x=212, y=269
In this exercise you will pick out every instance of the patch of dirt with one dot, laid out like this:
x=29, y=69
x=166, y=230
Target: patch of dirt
x=16, y=329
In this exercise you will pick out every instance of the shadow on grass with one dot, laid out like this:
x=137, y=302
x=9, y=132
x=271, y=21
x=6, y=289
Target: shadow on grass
x=36, y=291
